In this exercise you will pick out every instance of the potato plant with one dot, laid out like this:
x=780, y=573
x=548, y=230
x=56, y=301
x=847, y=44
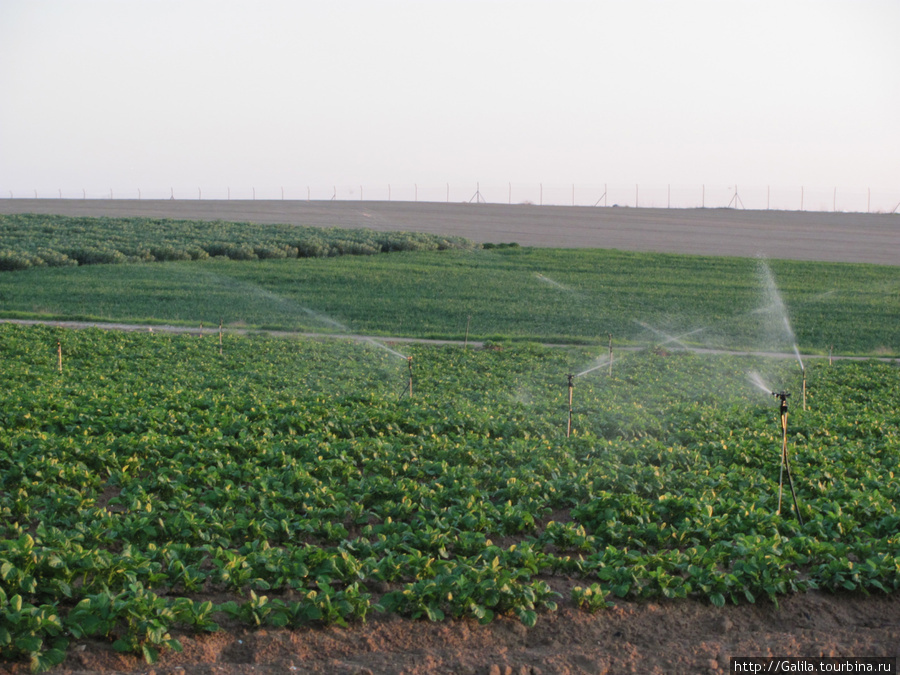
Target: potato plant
x=154, y=473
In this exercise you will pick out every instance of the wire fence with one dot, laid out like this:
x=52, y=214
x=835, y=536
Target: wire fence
x=802, y=198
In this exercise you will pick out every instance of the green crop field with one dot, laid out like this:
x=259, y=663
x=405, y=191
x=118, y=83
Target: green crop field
x=297, y=482
x=436, y=287
x=523, y=294
x=31, y=240
x=154, y=485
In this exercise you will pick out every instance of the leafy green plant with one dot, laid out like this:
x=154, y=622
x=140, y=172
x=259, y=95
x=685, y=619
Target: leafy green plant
x=32, y=632
x=137, y=619
x=590, y=598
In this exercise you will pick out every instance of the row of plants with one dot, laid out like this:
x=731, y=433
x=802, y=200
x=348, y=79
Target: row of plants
x=34, y=240
x=152, y=474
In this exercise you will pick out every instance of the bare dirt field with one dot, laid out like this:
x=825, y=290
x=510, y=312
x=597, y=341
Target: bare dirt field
x=684, y=637
x=797, y=235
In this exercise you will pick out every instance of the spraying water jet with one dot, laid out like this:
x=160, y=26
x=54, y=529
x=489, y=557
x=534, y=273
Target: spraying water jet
x=667, y=339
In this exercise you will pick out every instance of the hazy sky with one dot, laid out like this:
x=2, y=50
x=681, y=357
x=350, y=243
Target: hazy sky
x=124, y=94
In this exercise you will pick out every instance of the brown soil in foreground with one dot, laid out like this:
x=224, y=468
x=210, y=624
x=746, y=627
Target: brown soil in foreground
x=674, y=637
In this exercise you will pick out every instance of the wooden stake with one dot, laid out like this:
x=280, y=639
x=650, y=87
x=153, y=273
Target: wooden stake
x=409, y=362
x=804, y=389
x=610, y=353
x=786, y=467
x=59, y=351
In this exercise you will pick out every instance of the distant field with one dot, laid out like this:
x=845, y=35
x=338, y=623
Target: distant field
x=547, y=295
x=836, y=237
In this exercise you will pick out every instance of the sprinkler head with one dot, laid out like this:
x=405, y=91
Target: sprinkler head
x=783, y=396
x=571, y=379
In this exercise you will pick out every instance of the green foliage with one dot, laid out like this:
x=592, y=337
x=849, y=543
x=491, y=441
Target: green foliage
x=292, y=476
x=28, y=240
x=502, y=295
x=31, y=632
x=591, y=598
x=135, y=618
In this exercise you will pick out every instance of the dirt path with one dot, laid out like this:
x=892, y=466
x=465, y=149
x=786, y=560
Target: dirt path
x=797, y=235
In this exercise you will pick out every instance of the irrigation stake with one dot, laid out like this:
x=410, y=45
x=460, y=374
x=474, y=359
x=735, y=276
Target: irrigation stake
x=571, y=379
x=804, y=389
x=408, y=389
x=830, y=357
x=220, y=337
x=59, y=352
x=785, y=461
x=610, y=353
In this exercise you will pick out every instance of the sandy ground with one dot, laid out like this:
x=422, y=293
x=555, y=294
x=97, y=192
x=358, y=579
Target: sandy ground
x=648, y=637
x=798, y=235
